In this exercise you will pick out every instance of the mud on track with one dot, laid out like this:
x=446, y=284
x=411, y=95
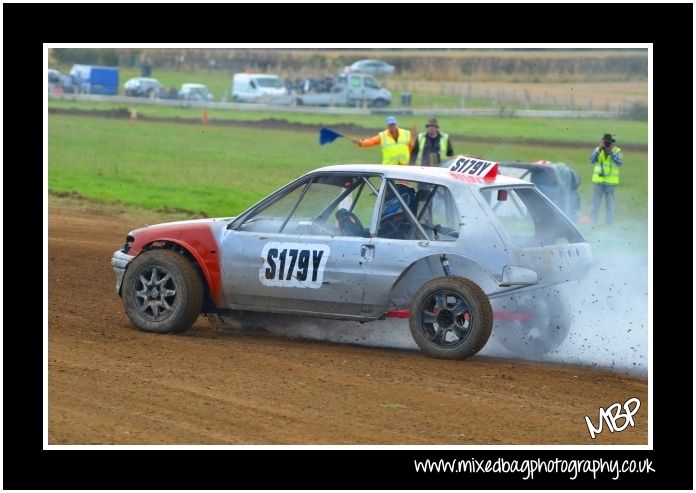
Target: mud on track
x=109, y=383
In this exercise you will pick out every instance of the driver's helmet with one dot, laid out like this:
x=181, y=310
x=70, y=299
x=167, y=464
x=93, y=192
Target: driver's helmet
x=392, y=206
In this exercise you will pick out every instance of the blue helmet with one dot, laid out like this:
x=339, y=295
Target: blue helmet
x=392, y=206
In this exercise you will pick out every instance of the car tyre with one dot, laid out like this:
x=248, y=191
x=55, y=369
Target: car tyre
x=451, y=318
x=543, y=332
x=162, y=292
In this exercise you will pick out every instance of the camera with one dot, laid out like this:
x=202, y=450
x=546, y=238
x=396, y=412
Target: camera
x=606, y=143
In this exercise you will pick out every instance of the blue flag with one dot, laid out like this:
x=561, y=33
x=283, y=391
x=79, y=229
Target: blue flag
x=326, y=136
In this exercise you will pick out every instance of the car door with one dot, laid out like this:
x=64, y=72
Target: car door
x=356, y=89
x=371, y=88
x=393, y=249
x=292, y=256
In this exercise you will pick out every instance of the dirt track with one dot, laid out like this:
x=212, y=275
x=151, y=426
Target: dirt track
x=112, y=384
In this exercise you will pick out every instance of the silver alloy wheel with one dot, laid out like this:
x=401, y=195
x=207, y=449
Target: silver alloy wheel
x=155, y=294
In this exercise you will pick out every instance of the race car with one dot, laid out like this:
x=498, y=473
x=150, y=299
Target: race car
x=557, y=181
x=449, y=249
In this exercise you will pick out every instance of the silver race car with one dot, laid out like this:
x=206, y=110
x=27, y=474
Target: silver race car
x=453, y=250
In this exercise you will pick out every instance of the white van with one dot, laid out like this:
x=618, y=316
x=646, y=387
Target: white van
x=250, y=88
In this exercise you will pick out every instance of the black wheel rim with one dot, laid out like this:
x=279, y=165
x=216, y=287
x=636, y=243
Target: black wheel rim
x=445, y=319
x=155, y=293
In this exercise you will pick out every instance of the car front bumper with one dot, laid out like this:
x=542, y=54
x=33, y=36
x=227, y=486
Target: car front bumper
x=119, y=262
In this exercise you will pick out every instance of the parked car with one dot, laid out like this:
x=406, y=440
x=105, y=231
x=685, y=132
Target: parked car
x=374, y=67
x=143, y=87
x=195, y=92
x=348, y=90
x=258, y=88
x=58, y=79
x=451, y=249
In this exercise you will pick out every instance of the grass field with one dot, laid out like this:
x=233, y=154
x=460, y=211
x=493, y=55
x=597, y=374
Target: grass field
x=551, y=130
x=219, y=171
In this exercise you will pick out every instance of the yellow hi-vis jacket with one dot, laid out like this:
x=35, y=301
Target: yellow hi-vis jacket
x=395, y=151
x=605, y=170
x=421, y=145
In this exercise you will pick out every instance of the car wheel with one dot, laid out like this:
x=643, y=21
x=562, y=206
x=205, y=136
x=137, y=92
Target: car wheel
x=380, y=103
x=543, y=330
x=451, y=317
x=162, y=292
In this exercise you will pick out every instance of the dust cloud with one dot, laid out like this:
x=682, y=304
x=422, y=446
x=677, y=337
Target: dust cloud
x=608, y=316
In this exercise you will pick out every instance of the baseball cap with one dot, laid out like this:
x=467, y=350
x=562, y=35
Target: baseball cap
x=391, y=120
x=608, y=138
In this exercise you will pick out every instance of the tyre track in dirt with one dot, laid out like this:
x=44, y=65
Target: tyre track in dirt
x=109, y=383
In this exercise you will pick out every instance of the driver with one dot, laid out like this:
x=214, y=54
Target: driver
x=394, y=222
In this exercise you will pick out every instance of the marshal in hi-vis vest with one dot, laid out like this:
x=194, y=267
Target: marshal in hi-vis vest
x=395, y=151
x=444, y=138
x=605, y=170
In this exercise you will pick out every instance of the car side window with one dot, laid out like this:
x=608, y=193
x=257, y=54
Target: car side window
x=371, y=83
x=529, y=218
x=329, y=205
x=438, y=212
x=430, y=212
x=270, y=217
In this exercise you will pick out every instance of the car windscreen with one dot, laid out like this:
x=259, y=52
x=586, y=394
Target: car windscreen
x=272, y=82
x=529, y=218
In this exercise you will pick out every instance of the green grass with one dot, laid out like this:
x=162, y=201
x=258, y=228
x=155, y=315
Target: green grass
x=215, y=171
x=220, y=171
x=547, y=129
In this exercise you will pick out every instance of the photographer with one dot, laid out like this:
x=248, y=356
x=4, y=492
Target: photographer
x=607, y=158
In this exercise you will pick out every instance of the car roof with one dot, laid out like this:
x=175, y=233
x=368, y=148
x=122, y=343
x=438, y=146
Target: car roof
x=192, y=86
x=420, y=173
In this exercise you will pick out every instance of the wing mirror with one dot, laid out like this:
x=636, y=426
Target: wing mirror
x=514, y=275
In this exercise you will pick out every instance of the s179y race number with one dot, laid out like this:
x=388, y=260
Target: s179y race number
x=293, y=265
x=472, y=169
